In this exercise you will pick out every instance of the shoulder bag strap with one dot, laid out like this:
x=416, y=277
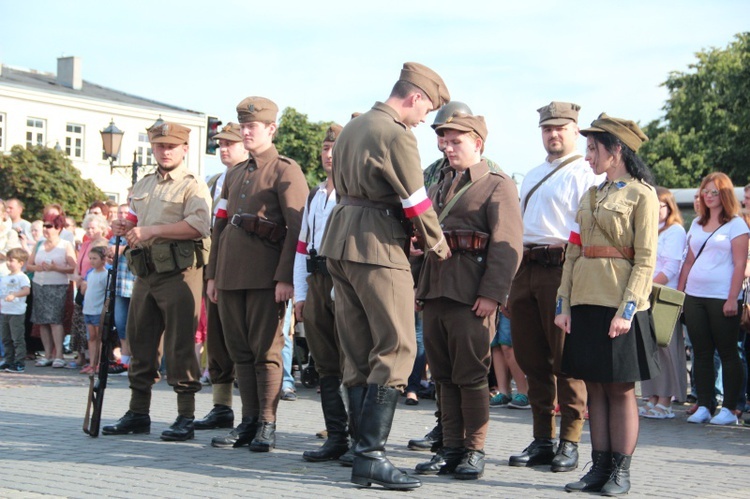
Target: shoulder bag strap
x=559, y=167
x=452, y=202
x=592, y=195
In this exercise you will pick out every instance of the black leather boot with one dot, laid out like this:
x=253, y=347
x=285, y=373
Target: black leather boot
x=265, y=437
x=356, y=396
x=619, y=480
x=181, y=430
x=566, y=457
x=471, y=466
x=453, y=457
x=598, y=475
x=242, y=435
x=334, y=414
x=540, y=452
x=370, y=463
x=131, y=422
x=433, y=466
x=221, y=416
x=431, y=442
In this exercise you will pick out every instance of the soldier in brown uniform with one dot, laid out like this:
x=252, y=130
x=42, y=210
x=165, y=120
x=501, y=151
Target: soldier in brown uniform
x=379, y=186
x=166, y=230
x=220, y=366
x=478, y=210
x=251, y=268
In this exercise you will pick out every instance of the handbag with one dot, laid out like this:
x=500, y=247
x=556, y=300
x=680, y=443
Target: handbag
x=665, y=302
x=745, y=313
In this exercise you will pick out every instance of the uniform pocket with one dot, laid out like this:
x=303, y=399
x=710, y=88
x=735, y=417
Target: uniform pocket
x=614, y=217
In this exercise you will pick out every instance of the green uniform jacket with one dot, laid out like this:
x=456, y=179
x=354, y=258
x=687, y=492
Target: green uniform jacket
x=376, y=158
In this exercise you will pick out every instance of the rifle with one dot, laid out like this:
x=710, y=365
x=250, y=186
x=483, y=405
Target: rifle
x=98, y=381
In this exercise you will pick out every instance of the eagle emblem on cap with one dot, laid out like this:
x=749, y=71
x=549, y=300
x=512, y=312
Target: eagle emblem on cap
x=251, y=108
x=227, y=128
x=553, y=109
x=330, y=136
x=164, y=129
x=450, y=118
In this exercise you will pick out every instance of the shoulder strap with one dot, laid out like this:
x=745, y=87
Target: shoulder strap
x=310, y=198
x=452, y=202
x=559, y=167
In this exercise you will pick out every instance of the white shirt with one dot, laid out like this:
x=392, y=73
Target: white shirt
x=13, y=284
x=311, y=236
x=669, y=251
x=550, y=213
x=711, y=273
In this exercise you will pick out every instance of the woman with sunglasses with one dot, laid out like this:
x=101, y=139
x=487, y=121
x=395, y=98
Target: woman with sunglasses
x=712, y=280
x=52, y=262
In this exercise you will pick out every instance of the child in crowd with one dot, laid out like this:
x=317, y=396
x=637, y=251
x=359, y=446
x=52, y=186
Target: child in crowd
x=14, y=288
x=94, y=289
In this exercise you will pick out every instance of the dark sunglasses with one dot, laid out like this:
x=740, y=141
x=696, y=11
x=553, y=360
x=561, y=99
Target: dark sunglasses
x=48, y=226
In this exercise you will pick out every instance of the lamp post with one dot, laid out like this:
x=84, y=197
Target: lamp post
x=111, y=142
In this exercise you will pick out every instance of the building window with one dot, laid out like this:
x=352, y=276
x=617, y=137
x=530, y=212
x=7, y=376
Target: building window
x=144, y=156
x=36, y=130
x=74, y=141
x=2, y=131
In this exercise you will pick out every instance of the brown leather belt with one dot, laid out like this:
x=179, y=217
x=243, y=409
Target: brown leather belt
x=608, y=252
x=547, y=255
x=390, y=209
x=261, y=227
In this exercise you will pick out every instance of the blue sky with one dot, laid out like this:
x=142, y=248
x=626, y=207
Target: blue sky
x=328, y=59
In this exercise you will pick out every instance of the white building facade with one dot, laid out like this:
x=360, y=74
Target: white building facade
x=68, y=112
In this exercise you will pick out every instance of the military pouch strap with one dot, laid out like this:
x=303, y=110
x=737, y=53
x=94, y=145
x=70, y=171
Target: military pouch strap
x=137, y=261
x=261, y=227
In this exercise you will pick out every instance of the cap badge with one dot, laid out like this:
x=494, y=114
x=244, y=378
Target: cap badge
x=251, y=108
x=227, y=128
x=164, y=129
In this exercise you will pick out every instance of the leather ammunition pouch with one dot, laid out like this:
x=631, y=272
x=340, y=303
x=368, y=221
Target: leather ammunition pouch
x=461, y=241
x=166, y=257
x=261, y=227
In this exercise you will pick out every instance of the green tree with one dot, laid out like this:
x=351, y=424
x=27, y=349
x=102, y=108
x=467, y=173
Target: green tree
x=41, y=175
x=301, y=140
x=706, y=121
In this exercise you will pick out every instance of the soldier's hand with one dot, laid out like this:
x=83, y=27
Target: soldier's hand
x=138, y=235
x=413, y=250
x=484, y=307
x=299, y=307
x=284, y=292
x=211, y=292
x=563, y=322
x=121, y=227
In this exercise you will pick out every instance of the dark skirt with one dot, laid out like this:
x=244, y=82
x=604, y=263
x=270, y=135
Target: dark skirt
x=591, y=355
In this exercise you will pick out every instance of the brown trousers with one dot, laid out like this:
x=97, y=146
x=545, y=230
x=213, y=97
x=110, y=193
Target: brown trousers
x=320, y=326
x=165, y=304
x=220, y=365
x=375, y=322
x=457, y=344
x=538, y=345
x=252, y=322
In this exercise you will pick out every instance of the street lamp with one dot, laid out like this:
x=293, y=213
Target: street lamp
x=111, y=142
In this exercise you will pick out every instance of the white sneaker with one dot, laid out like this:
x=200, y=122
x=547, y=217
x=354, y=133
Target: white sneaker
x=725, y=417
x=702, y=415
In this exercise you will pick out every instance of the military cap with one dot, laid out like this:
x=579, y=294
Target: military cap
x=428, y=81
x=257, y=109
x=558, y=113
x=333, y=132
x=168, y=133
x=627, y=131
x=464, y=123
x=230, y=132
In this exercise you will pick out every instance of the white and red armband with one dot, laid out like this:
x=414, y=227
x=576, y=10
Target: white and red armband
x=417, y=203
x=221, y=209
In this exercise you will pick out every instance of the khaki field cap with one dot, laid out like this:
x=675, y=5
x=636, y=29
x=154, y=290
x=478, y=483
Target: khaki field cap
x=464, y=123
x=168, y=133
x=428, y=81
x=257, y=109
x=230, y=132
x=558, y=113
x=333, y=132
x=627, y=131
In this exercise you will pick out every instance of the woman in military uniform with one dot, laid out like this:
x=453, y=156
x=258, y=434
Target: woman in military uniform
x=603, y=298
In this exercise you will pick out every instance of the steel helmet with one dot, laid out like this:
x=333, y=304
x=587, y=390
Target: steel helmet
x=449, y=110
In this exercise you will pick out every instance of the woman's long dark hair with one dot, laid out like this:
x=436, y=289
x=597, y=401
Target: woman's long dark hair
x=633, y=163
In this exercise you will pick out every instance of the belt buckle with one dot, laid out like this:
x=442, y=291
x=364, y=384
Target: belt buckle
x=236, y=220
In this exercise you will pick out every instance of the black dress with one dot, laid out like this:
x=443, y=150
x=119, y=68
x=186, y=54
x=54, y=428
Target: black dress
x=591, y=355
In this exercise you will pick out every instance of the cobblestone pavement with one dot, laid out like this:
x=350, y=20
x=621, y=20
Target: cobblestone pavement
x=43, y=452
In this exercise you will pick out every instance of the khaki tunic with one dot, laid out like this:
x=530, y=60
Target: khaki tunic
x=628, y=210
x=167, y=304
x=376, y=159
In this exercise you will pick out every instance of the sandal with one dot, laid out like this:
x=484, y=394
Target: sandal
x=59, y=363
x=659, y=412
x=43, y=363
x=643, y=410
